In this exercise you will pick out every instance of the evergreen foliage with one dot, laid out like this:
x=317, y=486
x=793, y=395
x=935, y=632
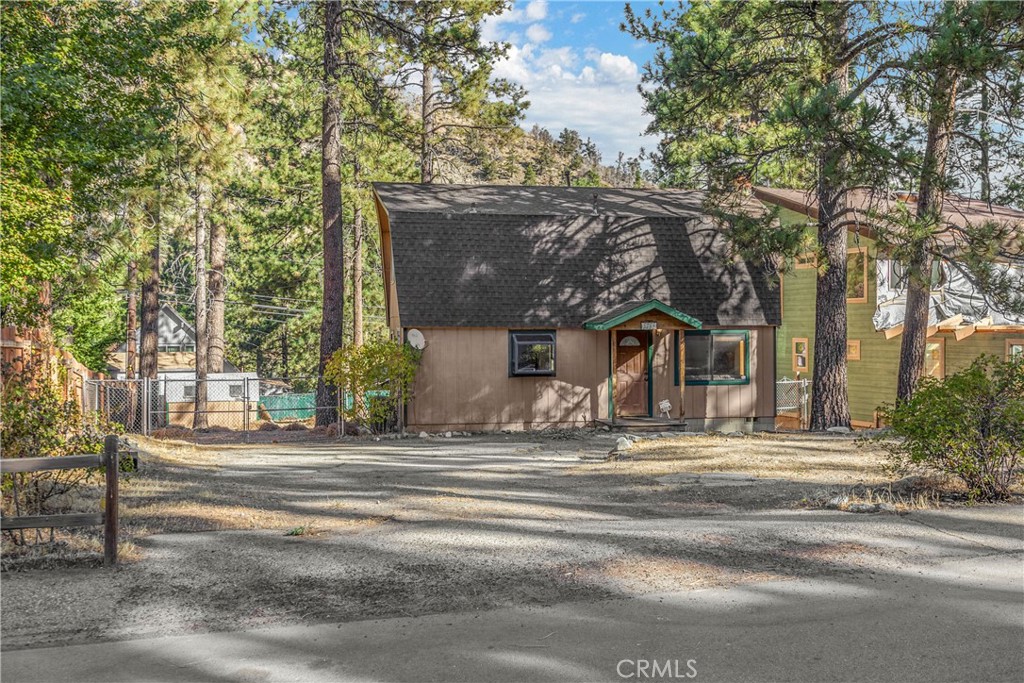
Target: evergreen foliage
x=969, y=425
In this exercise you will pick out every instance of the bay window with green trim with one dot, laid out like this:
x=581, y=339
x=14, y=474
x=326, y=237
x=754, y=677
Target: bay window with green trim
x=717, y=357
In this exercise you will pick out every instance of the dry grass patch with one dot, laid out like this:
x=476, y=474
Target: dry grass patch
x=822, y=459
x=905, y=495
x=174, y=493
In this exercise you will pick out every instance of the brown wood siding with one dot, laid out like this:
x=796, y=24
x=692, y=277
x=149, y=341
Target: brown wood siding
x=740, y=400
x=463, y=382
x=663, y=373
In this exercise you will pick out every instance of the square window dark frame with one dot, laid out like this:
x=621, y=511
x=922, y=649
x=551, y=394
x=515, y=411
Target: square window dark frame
x=512, y=372
x=716, y=382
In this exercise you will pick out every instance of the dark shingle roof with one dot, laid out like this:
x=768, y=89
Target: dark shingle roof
x=531, y=200
x=495, y=256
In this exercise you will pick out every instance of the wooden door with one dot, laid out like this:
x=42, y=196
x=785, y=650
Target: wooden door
x=631, y=373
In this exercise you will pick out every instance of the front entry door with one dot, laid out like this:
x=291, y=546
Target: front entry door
x=631, y=373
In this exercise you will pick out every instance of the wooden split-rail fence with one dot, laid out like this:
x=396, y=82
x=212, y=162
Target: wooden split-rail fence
x=109, y=460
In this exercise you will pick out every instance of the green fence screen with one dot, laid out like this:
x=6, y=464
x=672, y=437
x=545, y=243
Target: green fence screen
x=301, y=406
x=289, y=406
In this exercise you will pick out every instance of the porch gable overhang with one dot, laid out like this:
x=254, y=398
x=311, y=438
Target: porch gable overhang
x=628, y=311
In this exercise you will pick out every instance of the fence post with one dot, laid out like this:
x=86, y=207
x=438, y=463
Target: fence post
x=145, y=405
x=245, y=407
x=112, y=463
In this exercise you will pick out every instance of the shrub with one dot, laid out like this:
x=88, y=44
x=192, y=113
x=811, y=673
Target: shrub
x=377, y=375
x=970, y=425
x=37, y=421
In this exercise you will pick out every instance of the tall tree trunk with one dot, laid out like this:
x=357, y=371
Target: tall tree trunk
x=830, y=405
x=199, y=420
x=132, y=320
x=132, y=341
x=151, y=302
x=913, y=346
x=357, y=275
x=427, y=135
x=218, y=250
x=331, y=331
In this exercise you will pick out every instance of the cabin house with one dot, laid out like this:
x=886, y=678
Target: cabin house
x=963, y=324
x=173, y=397
x=555, y=306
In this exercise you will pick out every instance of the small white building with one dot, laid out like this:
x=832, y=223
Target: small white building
x=228, y=392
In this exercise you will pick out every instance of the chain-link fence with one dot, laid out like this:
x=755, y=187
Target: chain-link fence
x=236, y=401
x=793, y=400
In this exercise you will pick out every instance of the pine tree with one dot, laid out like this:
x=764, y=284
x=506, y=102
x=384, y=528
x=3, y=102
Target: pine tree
x=968, y=42
x=457, y=92
x=331, y=338
x=762, y=92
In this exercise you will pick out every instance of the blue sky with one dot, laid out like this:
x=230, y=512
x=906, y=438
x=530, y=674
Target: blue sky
x=580, y=70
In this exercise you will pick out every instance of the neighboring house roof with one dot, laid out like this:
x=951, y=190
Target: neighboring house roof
x=511, y=256
x=172, y=330
x=868, y=204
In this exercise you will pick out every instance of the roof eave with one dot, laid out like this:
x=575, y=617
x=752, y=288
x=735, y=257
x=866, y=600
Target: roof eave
x=640, y=310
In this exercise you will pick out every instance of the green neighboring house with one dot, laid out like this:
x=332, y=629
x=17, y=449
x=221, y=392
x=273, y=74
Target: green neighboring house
x=962, y=324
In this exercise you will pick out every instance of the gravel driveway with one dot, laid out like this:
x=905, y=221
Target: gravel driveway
x=328, y=532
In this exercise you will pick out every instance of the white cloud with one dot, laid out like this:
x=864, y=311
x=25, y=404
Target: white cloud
x=577, y=18
x=592, y=91
x=564, y=57
x=537, y=34
x=515, y=66
x=537, y=10
x=492, y=26
x=617, y=68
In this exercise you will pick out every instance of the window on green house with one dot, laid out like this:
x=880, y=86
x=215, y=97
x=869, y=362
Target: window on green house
x=717, y=357
x=935, y=358
x=898, y=275
x=857, y=275
x=801, y=354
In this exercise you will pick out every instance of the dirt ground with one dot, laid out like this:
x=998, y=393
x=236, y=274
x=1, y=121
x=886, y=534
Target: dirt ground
x=222, y=537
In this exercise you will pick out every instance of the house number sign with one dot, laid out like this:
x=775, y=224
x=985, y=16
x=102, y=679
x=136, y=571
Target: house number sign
x=648, y=325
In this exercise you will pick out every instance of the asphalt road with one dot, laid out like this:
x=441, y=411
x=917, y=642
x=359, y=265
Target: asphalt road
x=960, y=620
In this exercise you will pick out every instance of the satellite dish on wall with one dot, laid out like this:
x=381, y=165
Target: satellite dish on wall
x=416, y=339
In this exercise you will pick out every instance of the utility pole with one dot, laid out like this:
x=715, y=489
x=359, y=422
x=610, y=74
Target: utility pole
x=284, y=349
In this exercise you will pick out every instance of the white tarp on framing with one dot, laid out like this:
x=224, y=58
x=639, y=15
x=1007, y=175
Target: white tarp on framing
x=954, y=294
